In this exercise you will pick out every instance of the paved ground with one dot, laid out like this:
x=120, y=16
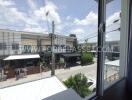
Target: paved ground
x=89, y=71
x=62, y=74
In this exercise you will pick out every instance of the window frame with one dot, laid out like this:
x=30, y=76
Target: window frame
x=125, y=9
x=101, y=40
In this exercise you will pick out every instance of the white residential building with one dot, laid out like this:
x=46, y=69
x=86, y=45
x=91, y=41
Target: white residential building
x=18, y=42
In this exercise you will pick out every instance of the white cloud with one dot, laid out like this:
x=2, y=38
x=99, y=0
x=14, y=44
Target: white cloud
x=6, y=3
x=68, y=18
x=31, y=4
x=31, y=21
x=112, y=18
x=110, y=25
x=77, y=31
x=81, y=27
x=10, y=14
x=30, y=28
x=52, y=15
x=16, y=15
x=91, y=18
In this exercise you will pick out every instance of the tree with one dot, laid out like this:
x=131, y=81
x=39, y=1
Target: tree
x=87, y=46
x=79, y=84
x=87, y=58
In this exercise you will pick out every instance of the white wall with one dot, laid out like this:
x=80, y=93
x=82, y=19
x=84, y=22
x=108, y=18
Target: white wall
x=9, y=38
x=60, y=40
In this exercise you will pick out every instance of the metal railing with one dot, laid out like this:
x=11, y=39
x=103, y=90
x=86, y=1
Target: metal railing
x=112, y=78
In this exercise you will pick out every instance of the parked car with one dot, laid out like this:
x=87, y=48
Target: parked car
x=92, y=84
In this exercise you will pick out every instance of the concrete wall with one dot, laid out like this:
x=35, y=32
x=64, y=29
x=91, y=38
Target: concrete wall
x=45, y=42
x=9, y=38
x=29, y=42
x=60, y=43
x=69, y=43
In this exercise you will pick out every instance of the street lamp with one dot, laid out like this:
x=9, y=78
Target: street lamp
x=52, y=37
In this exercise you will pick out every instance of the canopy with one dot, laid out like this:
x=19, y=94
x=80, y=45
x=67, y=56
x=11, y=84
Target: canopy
x=113, y=63
x=71, y=55
x=16, y=57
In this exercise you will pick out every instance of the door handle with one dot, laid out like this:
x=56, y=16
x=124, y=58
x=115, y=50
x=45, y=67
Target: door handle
x=101, y=27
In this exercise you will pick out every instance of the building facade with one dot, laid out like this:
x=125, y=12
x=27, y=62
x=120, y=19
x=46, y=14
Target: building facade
x=111, y=49
x=110, y=46
x=18, y=42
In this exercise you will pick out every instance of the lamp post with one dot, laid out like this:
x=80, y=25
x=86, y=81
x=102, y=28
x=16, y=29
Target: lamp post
x=52, y=37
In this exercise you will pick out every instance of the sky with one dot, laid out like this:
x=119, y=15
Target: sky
x=78, y=17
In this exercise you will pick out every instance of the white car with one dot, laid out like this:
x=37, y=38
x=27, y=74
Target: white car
x=92, y=84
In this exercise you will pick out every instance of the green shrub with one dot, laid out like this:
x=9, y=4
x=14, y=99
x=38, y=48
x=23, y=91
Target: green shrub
x=87, y=58
x=79, y=84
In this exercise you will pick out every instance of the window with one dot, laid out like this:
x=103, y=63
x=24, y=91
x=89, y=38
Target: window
x=15, y=46
x=112, y=38
x=81, y=28
x=95, y=38
x=49, y=48
x=27, y=48
x=3, y=46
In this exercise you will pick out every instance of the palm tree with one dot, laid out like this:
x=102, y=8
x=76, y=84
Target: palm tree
x=79, y=84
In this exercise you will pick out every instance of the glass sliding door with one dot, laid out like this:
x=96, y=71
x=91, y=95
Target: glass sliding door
x=101, y=41
x=113, y=43
x=77, y=67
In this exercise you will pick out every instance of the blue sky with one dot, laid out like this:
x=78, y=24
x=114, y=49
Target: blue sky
x=71, y=16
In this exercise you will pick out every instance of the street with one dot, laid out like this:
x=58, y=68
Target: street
x=89, y=71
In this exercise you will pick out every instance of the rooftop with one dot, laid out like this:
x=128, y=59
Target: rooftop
x=41, y=34
x=35, y=90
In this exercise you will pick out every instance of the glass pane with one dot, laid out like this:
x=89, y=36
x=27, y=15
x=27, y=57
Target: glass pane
x=63, y=33
x=112, y=42
x=78, y=51
x=21, y=38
